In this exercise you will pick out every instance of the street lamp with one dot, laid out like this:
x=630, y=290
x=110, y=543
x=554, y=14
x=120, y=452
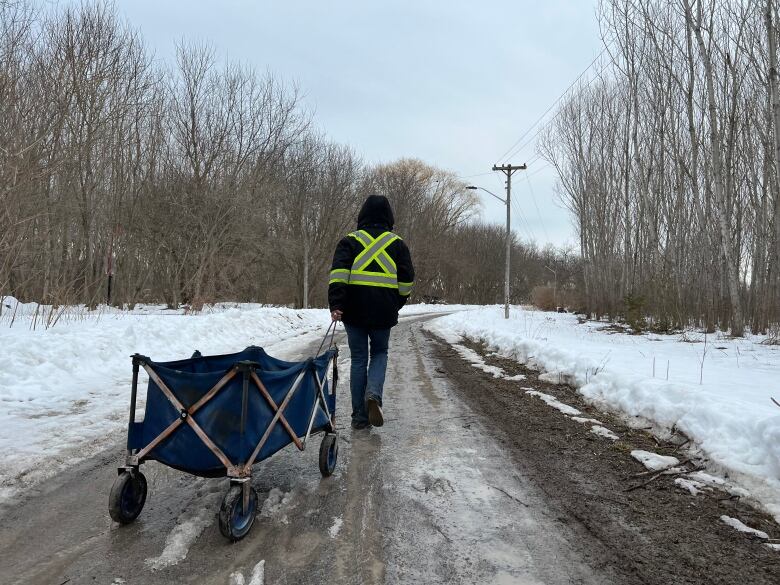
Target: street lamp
x=508, y=246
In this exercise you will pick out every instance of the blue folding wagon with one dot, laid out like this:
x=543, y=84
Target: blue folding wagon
x=217, y=416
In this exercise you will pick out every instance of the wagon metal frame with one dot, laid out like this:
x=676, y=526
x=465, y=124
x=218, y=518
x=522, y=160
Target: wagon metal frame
x=238, y=472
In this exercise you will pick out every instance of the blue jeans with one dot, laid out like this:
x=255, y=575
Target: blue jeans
x=367, y=377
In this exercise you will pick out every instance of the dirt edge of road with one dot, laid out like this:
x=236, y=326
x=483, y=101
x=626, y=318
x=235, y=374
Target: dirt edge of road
x=654, y=534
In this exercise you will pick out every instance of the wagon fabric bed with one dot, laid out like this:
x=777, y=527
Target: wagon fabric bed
x=216, y=416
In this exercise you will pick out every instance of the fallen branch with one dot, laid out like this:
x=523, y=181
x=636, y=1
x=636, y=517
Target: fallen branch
x=775, y=401
x=639, y=485
x=659, y=474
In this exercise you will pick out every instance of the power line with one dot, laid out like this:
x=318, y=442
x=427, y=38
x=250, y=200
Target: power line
x=535, y=158
x=540, y=169
x=523, y=222
x=531, y=140
x=538, y=213
x=472, y=176
x=560, y=97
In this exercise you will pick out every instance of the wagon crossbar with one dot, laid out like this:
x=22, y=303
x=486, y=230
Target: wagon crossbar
x=186, y=416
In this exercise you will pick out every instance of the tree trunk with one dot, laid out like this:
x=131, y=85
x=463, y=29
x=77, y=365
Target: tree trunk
x=731, y=269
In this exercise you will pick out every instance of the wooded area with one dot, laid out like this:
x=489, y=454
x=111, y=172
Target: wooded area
x=200, y=181
x=669, y=160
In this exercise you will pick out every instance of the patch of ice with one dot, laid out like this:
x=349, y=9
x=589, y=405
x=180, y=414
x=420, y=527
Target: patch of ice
x=707, y=478
x=603, y=432
x=515, y=377
x=258, y=574
x=691, y=485
x=178, y=542
x=773, y=545
x=333, y=531
x=477, y=361
x=654, y=461
x=276, y=504
x=586, y=421
x=737, y=525
x=257, y=577
x=554, y=402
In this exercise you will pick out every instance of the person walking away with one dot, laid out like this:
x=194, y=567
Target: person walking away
x=370, y=280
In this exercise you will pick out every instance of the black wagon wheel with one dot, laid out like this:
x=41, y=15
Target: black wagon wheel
x=235, y=522
x=127, y=497
x=329, y=453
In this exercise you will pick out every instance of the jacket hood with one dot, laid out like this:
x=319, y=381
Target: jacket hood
x=376, y=212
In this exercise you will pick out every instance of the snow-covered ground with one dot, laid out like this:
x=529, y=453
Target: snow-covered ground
x=64, y=389
x=716, y=392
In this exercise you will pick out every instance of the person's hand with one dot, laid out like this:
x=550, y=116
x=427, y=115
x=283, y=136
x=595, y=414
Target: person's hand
x=336, y=314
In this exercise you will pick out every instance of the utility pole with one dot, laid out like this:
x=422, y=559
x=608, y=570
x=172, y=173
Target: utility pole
x=508, y=170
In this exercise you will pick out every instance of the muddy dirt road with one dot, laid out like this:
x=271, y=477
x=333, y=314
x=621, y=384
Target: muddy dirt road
x=440, y=494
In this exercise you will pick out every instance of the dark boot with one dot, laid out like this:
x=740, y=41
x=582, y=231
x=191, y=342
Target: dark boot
x=375, y=416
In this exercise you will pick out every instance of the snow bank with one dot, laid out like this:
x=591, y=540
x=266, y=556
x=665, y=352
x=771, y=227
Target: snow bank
x=65, y=390
x=714, y=389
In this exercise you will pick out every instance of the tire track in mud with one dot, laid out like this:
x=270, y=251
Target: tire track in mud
x=359, y=550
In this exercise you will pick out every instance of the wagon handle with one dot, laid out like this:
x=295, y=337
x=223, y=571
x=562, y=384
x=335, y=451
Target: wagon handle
x=331, y=331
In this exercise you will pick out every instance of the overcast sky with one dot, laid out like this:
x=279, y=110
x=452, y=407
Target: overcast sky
x=454, y=83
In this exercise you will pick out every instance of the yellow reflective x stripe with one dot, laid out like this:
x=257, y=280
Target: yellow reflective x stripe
x=374, y=250
x=382, y=260
x=363, y=237
x=370, y=253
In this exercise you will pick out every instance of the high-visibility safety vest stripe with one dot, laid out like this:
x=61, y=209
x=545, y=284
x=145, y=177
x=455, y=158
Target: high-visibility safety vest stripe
x=371, y=252
x=374, y=250
x=364, y=237
x=382, y=259
x=370, y=279
x=339, y=275
x=405, y=288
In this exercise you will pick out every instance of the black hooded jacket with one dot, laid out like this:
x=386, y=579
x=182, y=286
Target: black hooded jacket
x=370, y=306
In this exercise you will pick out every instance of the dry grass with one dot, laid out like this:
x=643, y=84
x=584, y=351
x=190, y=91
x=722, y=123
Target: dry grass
x=543, y=297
